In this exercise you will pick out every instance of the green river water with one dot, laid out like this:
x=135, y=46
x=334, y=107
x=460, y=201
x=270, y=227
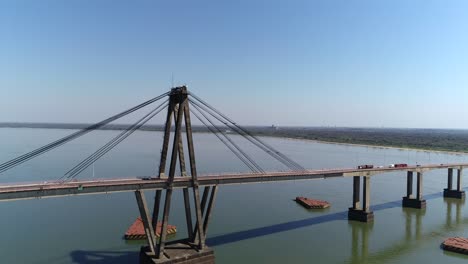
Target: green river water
x=254, y=223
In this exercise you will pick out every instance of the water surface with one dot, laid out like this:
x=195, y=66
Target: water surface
x=256, y=223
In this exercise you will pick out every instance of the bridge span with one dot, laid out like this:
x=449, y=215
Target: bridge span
x=103, y=186
x=199, y=206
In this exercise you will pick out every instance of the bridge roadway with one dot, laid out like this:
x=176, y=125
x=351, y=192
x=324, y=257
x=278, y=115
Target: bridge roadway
x=56, y=188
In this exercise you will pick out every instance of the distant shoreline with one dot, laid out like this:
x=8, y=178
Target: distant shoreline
x=448, y=141
x=375, y=146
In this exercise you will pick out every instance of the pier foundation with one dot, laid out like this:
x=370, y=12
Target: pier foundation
x=409, y=200
x=358, y=213
x=414, y=203
x=449, y=191
x=180, y=253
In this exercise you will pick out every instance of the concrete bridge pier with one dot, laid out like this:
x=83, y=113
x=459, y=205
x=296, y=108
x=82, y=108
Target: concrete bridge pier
x=409, y=200
x=449, y=191
x=358, y=213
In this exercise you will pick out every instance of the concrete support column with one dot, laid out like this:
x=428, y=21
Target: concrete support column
x=419, y=186
x=366, y=194
x=459, y=179
x=209, y=210
x=410, y=201
x=356, y=192
x=358, y=213
x=409, y=184
x=450, y=192
x=450, y=179
x=145, y=217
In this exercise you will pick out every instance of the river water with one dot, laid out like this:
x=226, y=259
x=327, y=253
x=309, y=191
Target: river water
x=255, y=223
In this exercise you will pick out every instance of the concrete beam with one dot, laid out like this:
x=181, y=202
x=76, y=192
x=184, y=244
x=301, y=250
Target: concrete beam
x=144, y=213
x=419, y=186
x=450, y=179
x=157, y=203
x=54, y=189
x=209, y=210
x=165, y=220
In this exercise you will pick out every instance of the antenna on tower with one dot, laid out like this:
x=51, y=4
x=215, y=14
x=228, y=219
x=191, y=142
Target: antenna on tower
x=172, y=80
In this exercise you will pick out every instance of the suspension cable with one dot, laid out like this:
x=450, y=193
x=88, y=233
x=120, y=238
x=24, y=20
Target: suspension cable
x=236, y=130
x=246, y=158
x=247, y=135
x=299, y=167
x=25, y=157
x=72, y=173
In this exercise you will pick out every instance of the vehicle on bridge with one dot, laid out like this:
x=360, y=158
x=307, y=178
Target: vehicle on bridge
x=360, y=167
x=147, y=178
x=398, y=165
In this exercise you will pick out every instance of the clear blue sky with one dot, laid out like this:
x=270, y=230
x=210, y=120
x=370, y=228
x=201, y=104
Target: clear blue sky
x=392, y=63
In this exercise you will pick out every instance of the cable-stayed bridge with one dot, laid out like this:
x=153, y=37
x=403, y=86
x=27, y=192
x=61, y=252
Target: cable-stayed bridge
x=96, y=186
x=175, y=173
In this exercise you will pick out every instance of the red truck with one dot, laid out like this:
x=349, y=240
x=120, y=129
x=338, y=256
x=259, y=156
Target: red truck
x=401, y=165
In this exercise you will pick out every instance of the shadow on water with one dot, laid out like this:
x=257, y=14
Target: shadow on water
x=104, y=257
x=268, y=230
x=360, y=235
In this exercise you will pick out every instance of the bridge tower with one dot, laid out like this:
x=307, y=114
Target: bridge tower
x=193, y=248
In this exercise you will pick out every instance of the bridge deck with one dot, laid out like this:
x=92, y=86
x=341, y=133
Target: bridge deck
x=54, y=189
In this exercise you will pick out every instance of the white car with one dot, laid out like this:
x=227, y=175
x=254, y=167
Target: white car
x=391, y=166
